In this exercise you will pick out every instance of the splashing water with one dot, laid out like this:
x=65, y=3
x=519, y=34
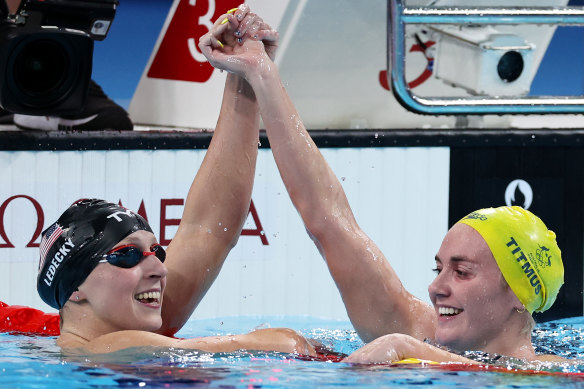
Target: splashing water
x=37, y=362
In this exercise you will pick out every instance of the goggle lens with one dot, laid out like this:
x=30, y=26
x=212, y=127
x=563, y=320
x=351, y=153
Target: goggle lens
x=130, y=255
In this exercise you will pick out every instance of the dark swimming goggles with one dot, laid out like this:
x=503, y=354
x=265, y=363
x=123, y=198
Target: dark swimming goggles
x=130, y=255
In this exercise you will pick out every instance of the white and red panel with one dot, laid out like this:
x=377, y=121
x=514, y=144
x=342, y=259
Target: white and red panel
x=275, y=268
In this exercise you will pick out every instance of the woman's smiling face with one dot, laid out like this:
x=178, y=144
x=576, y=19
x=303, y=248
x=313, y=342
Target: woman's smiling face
x=471, y=299
x=124, y=299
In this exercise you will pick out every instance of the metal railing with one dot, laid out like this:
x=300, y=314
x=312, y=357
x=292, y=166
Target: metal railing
x=400, y=16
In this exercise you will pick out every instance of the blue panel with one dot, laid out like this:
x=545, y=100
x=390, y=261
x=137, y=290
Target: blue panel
x=120, y=59
x=560, y=72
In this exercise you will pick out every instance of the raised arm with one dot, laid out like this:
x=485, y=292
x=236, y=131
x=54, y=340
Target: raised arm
x=218, y=200
x=376, y=301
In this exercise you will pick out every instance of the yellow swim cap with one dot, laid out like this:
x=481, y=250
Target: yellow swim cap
x=526, y=252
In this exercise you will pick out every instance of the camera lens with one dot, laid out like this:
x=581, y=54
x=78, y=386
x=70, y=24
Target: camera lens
x=44, y=71
x=41, y=67
x=510, y=66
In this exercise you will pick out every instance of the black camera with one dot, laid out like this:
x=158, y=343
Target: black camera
x=46, y=54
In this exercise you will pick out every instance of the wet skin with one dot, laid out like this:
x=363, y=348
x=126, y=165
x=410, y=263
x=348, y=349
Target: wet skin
x=113, y=291
x=471, y=300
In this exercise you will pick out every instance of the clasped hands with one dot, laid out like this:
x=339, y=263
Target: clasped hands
x=240, y=42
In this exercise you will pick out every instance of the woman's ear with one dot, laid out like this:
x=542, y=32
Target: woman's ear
x=520, y=309
x=77, y=296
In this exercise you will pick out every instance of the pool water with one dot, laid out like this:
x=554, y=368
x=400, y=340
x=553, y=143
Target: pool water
x=31, y=362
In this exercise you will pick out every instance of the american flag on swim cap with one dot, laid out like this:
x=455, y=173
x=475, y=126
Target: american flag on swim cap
x=51, y=235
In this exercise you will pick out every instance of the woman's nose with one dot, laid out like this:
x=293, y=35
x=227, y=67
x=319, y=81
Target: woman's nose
x=439, y=287
x=154, y=267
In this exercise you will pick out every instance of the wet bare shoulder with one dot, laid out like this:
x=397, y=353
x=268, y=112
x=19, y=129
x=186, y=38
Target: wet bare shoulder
x=115, y=341
x=71, y=344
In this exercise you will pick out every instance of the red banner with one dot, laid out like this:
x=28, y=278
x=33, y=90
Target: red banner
x=178, y=57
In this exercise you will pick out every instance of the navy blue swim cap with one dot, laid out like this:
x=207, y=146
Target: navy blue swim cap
x=73, y=246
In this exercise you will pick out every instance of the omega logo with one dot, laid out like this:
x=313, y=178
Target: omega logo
x=164, y=221
x=39, y=226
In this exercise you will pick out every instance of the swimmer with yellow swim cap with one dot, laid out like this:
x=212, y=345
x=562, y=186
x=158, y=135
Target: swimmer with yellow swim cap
x=525, y=251
x=494, y=268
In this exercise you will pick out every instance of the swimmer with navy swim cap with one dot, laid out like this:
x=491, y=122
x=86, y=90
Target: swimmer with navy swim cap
x=102, y=267
x=484, y=290
x=76, y=243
